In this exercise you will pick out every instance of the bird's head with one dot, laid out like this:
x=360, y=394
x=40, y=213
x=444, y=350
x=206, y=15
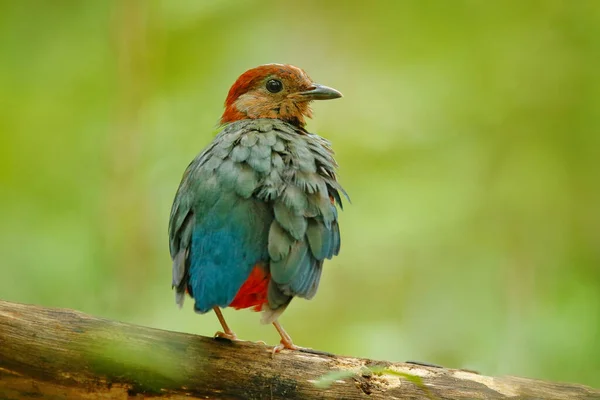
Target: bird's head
x=274, y=91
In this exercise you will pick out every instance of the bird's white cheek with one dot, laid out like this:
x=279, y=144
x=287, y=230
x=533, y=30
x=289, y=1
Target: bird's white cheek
x=253, y=106
x=244, y=102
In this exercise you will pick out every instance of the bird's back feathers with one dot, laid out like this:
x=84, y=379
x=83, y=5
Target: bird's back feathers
x=263, y=192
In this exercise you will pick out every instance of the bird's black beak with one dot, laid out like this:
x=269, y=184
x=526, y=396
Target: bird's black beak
x=320, y=92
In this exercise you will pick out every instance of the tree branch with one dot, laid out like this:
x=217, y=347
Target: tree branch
x=63, y=354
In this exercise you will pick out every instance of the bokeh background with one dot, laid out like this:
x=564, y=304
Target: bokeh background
x=468, y=139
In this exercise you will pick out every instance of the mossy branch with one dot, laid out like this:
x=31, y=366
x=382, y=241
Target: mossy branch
x=63, y=354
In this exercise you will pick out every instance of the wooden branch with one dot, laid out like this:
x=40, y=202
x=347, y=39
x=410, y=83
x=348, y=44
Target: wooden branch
x=63, y=354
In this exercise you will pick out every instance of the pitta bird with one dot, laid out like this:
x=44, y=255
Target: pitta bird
x=255, y=215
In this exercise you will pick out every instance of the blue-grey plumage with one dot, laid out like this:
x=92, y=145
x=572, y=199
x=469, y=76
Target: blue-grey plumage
x=259, y=194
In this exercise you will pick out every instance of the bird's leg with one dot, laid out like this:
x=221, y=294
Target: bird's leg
x=286, y=340
x=227, y=333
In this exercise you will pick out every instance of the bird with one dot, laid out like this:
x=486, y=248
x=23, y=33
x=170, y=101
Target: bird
x=256, y=212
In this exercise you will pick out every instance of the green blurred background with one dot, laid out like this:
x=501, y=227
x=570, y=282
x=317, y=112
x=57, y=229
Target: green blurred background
x=468, y=139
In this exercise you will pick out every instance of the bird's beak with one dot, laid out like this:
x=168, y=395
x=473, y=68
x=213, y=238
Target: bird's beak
x=319, y=92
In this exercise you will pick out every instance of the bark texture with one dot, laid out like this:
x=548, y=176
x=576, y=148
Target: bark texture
x=63, y=354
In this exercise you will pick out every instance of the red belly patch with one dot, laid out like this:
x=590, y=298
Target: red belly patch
x=253, y=292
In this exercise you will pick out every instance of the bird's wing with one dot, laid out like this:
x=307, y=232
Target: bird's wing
x=218, y=231
x=303, y=191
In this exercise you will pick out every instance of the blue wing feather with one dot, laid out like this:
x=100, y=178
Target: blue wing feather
x=226, y=244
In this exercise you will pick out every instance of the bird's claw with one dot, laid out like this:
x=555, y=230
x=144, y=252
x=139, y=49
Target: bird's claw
x=226, y=335
x=284, y=344
x=233, y=337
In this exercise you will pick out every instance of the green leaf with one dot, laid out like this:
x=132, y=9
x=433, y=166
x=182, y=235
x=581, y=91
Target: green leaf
x=328, y=379
x=409, y=377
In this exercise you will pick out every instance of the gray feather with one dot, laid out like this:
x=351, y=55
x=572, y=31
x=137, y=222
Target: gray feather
x=240, y=153
x=247, y=181
x=294, y=224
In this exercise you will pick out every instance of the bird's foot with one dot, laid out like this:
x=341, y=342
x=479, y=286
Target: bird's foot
x=284, y=344
x=233, y=337
x=226, y=335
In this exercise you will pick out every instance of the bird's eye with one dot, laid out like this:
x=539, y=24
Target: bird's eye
x=274, y=85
